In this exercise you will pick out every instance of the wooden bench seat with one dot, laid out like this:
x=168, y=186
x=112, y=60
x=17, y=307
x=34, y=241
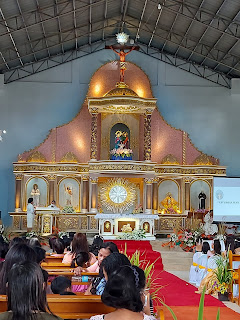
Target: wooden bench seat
x=50, y=259
x=236, y=276
x=55, y=265
x=70, y=307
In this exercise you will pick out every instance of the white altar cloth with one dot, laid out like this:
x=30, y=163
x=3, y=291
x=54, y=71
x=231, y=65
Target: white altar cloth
x=111, y=224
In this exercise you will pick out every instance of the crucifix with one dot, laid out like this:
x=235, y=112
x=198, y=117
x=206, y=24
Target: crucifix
x=120, y=51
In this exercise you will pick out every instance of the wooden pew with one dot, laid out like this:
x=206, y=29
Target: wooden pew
x=236, y=275
x=56, y=266
x=70, y=307
x=70, y=275
x=50, y=259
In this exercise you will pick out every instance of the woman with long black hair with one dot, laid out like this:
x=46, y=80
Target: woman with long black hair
x=26, y=294
x=18, y=253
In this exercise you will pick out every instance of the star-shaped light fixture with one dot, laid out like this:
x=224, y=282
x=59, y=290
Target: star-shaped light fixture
x=122, y=38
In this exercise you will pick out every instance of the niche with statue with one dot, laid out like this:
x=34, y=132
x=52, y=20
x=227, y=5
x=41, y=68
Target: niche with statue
x=120, y=142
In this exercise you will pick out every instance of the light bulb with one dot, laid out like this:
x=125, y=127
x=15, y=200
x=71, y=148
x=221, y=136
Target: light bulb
x=4, y=131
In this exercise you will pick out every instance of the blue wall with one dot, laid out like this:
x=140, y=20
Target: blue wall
x=31, y=107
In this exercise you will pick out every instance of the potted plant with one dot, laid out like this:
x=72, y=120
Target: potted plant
x=223, y=277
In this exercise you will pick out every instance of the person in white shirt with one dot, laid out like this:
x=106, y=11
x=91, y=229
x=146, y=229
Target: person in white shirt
x=53, y=205
x=194, y=267
x=30, y=214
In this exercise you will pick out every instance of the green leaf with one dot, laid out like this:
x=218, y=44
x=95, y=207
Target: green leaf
x=218, y=314
x=170, y=310
x=201, y=305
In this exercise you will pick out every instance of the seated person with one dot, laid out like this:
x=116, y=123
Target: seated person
x=125, y=291
x=53, y=206
x=201, y=269
x=40, y=253
x=18, y=253
x=106, y=249
x=57, y=247
x=209, y=275
x=62, y=285
x=194, y=267
x=109, y=265
x=79, y=244
x=235, y=265
x=26, y=294
x=96, y=245
x=81, y=260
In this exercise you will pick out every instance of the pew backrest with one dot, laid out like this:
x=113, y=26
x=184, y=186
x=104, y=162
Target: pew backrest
x=70, y=307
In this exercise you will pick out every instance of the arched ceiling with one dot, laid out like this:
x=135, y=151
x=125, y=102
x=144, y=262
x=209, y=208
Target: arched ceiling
x=199, y=36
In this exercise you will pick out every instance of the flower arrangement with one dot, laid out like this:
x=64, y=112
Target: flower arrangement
x=32, y=234
x=121, y=153
x=68, y=209
x=133, y=235
x=62, y=234
x=223, y=275
x=184, y=238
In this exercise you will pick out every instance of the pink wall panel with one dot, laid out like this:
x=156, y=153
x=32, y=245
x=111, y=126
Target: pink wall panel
x=75, y=136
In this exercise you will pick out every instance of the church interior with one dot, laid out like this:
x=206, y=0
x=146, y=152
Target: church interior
x=120, y=122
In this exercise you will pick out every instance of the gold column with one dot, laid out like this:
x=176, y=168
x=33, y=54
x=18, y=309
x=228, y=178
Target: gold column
x=147, y=135
x=148, y=188
x=18, y=193
x=85, y=194
x=94, y=195
x=93, y=152
x=187, y=193
x=51, y=179
x=155, y=196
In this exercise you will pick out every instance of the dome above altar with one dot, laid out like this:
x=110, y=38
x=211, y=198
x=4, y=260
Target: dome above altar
x=121, y=91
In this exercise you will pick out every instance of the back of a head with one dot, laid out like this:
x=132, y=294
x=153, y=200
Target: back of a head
x=124, y=289
x=96, y=245
x=79, y=243
x=40, y=254
x=16, y=240
x=26, y=291
x=18, y=253
x=34, y=242
x=60, y=284
x=58, y=246
x=205, y=247
x=217, y=246
x=51, y=241
x=111, y=246
x=230, y=243
x=30, y=200
x=112, y=262
x=67, y=241
x=3, y=249
x=81, y=258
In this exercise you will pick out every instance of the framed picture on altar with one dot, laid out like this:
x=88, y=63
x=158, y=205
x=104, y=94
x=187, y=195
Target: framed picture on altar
x=69, y=193
x=37, y=188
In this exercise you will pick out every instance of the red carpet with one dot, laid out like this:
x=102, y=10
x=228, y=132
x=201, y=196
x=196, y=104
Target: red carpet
x=175, y=292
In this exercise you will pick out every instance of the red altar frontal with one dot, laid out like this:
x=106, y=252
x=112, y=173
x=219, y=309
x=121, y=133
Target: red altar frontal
x=117, y=156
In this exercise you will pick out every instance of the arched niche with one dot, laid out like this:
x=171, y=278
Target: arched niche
x=166, y=186
x=37, y=188
x=118, y=127
x=108, y=121
x=195, y=188
x=69, y=193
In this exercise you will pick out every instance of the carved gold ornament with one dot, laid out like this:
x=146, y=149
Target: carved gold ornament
x=202, y=160
x=170, y=159
x=117, y=194
x=36, y=156
x=69, y=157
